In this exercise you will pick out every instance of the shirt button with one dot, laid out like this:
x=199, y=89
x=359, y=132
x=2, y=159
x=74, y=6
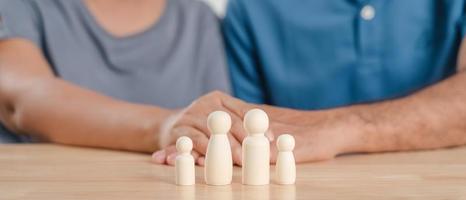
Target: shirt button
x=367, y=12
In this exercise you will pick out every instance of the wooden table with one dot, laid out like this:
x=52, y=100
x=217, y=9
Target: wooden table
x=44, y=171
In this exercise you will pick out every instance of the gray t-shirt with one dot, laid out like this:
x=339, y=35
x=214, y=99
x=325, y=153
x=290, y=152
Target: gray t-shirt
x=170, y=64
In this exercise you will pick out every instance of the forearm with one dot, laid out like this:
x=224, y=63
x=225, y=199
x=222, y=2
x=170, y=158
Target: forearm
x=33, y=101
x=64, y=113
x=432, y=118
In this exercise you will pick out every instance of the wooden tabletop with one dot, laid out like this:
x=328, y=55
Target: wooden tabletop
x=42, y=171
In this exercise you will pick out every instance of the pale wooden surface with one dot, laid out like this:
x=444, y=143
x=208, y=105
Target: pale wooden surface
x=59, y=172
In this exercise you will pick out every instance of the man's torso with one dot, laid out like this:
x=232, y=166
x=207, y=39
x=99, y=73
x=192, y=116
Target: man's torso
x=322, y=54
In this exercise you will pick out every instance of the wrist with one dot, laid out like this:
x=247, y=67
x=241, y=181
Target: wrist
x=150, y=126
x=353, y=128
x=165, y=128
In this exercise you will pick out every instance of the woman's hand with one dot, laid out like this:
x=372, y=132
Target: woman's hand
x=192, y=122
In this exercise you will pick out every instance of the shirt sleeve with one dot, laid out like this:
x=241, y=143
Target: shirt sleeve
x=241, y=55
x=18, y=19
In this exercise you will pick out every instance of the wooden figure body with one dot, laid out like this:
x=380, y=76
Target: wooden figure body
x=184, y=163
x=285, y=168
x=256, y=149
x=218, y=161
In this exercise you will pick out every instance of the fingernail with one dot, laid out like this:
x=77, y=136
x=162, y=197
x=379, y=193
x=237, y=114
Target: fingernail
x=159, y=156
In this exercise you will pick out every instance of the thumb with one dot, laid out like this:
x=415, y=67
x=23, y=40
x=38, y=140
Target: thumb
x=269, y=134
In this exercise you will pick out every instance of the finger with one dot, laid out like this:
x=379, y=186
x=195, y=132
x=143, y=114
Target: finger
x=237, y=128
x=235, y=149
x=171, y=159
x=269, y=134
x=199, y=139
x=170, y=149
x=197, y=122
x=195, y=155
x=201, y=161
x=159, y=157
x=273, y=153
x=235, y=106
x=170, y=155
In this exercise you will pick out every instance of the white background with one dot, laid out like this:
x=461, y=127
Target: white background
x=218, y=6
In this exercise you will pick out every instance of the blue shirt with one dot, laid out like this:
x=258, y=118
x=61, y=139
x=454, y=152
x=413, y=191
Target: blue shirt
x=327, y=53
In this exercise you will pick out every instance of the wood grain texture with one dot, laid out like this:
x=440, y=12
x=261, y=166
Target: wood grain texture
x=42, y=171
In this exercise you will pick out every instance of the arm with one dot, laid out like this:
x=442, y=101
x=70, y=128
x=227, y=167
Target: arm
x=33, y=101
x=431, y=118
x=434, y=117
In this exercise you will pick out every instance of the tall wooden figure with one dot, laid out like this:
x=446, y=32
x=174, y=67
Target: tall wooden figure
x=218, y=159
x=285, y=168
x=184, y=163
x=256, y=149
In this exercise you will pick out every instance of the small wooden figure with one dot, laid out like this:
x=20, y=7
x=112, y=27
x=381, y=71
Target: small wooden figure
x=285, y=168
x=184, y=164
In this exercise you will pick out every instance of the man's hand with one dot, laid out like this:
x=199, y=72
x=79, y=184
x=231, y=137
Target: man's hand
x=320, y=141
x=319, y=135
